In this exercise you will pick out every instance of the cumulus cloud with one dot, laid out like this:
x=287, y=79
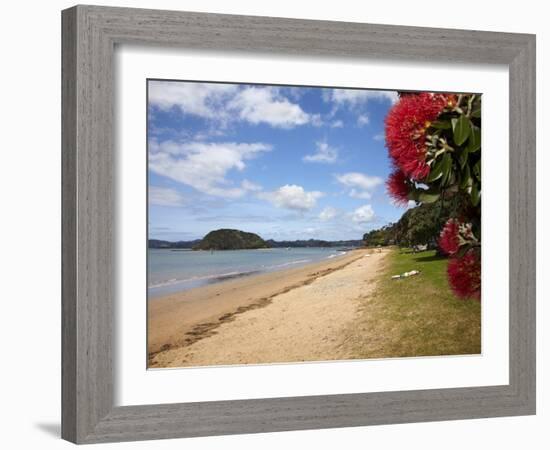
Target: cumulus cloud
x=265, y=104
x=363, y=120
x=324, y=154
x=337, y=124
x=328, y=213
x=379, y=137
x=292, y=196
x=250, y=186
x=228, y=102
x=360, y=185
x=363, y=214
x=204, y=166
x=162, y=196
x=199, y=99
x=355, y=193
x=353, y=97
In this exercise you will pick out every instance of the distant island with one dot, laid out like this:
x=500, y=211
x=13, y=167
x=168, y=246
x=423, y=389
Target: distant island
x=228, y=239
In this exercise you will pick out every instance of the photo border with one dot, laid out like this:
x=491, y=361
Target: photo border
x=89, y=37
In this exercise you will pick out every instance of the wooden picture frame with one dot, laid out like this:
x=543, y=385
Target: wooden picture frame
x=90, y=34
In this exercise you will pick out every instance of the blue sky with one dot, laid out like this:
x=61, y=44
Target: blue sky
x=283, y=162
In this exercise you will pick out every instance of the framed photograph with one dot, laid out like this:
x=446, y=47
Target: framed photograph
x=276, y=224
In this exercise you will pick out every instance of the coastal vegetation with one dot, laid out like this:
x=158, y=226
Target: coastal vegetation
x=314, y=243
x=434, y=143
x=228, y=239
x=416, y=316
x=304, y=243
x=417, y=226
x=157, y=243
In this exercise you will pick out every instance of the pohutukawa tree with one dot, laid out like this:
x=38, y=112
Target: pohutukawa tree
x=434, y=142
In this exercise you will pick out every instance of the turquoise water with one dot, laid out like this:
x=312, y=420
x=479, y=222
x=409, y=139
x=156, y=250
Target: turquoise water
x=171, y=271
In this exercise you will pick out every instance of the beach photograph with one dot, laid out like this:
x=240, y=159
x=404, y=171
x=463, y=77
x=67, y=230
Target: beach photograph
x=294, y=224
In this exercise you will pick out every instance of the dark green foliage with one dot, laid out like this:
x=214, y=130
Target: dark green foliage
x=453, y=144
x=380, y=237
x=226, y=239
x=417, y=226
x=314, y=243
x=157, y=243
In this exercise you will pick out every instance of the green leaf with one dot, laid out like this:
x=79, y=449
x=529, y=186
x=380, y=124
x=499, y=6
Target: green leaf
x=476, y=109
x=427, y=196
x=462, y=130
x=441, y=125
x=463, y=158
x=462, y=250
x=466, y=177
x=477, y=170
x=453, y=122
x=413, y=195
x=436, y=172
x=475, y=195
x=447, y=164
x=474, y=143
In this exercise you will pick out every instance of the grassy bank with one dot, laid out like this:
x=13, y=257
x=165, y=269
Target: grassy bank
x=415, y=316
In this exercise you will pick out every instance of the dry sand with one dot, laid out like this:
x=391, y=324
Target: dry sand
x=293, y=315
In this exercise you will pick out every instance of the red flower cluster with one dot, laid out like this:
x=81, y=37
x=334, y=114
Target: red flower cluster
x=398, y=187
x=464, y=274
x=448, y=239
x=406, y=126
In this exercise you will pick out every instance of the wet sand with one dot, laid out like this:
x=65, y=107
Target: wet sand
x=291, y=315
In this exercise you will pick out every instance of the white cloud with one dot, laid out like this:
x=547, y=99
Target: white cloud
x=250, y=186
x=337, y=124
x=199, y=99
x=228, y=102
x=165, y=196
x=292, y=196
x=354, y=193
x=265, y=104
x=324, y=154
x=363, y=120
x=328, y=213
x=360, y=184
x=363, y=214
x=379, y=137
x=204, y=166
x=353, y=97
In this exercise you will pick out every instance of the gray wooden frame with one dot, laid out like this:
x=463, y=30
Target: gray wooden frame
x=89, y=37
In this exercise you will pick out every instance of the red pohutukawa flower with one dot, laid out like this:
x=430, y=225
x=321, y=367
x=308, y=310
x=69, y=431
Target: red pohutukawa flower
x=449, y=240
x=398, y=187
x=406, y=126
x=464, y=274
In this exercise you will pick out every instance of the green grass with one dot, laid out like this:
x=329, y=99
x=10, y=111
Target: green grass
x=416, y=316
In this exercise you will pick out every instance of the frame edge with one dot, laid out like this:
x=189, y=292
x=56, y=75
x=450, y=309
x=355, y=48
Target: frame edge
x=88, y=415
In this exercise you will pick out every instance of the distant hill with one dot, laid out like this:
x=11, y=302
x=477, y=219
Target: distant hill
x=314, y=243
x=226, y=239
x=156, y=243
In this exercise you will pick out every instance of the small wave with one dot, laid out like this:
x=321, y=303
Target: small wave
x=214, y=277
x=334, y=255
x=225, y=275
x=290, y=263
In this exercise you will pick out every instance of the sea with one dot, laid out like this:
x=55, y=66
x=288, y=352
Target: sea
x=175, y=270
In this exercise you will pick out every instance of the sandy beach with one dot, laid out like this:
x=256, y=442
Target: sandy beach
x=300, y=314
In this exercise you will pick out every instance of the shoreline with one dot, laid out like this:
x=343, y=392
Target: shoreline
x=179, y=323
x=178, y=286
